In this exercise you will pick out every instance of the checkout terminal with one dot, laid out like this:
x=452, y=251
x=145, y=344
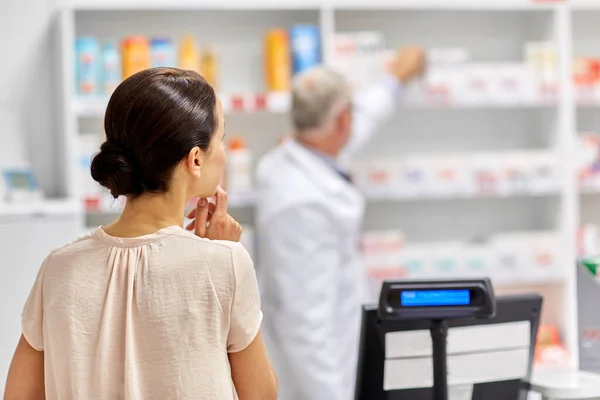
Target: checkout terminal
x=440, y=340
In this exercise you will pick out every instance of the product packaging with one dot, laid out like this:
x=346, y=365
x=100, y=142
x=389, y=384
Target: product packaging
x=111, y=67
x=381, y=252
x=511, y=257
x=546, y=172
x=511, y=84
x=136, y=55
x=588, y=240
x=210, y=67
x=487, y=174
x=361, y=57
x=549, y=349
x=189, y=56
x=446, y=77
x=415, y=175
x=378, y=178
x=450, y=177
x=478, y=85
x=163, y=53
x=478, y=260
x=416, y=261
x=87, y=50
x=89, y=144
x=306, y=47
x=517, y=173
x=546, y=260
x=239, y=168
x=589, y=161
x=540, y=58
x=447, y=259
x=278, y=69
x=586, y=76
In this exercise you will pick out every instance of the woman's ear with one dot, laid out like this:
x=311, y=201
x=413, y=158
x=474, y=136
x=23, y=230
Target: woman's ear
x=194, y=161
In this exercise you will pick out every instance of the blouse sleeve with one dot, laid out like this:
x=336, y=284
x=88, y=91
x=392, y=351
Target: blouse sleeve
x=245, y=315
x=33, y=313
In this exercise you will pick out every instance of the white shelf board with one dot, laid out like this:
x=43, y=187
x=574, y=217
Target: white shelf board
x=95, y=107
x=132, y=5
x=491, y=5
x=383, y=197
x=585, y=5
x=41, y=208
x=529, y=281
x=249, y=200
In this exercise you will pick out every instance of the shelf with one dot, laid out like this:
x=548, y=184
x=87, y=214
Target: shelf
x=236, y=201
x=528, y=281
x=491, y=5
x=278, y=103
x=42, y=208
x=190, y=5
x=390, y=197
x=585, y=5
x=95, y=107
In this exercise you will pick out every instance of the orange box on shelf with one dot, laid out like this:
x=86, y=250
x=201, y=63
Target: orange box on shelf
x=136, y=55
x=278, y=70
x=586, y=71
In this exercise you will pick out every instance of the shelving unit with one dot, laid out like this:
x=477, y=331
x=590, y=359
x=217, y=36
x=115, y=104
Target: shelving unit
x=493, y=31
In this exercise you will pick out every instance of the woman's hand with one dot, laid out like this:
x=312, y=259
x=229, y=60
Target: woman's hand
x=212, y=221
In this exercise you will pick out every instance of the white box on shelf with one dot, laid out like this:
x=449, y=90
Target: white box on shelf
x=381, y=252
x=477, y=85
x=512, y=84
x=447, y=259
x=378, y=178
x=510, y=257
x=415, y=175
x=546, y=256
x=416, y=261
x=517, y=173
x=89, y=145
x=358, y=56
x=487, y=174
x=450, y=176
x=478, y=260
x=547, y=173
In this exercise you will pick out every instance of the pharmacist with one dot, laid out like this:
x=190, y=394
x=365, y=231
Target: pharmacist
x=309, y=216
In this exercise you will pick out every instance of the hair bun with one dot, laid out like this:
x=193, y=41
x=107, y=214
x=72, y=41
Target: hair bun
x=115, y=169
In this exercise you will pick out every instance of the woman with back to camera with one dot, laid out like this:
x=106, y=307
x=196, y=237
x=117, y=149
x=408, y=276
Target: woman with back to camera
x=142, y=308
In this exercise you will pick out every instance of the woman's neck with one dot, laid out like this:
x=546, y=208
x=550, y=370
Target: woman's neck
x=149, y=213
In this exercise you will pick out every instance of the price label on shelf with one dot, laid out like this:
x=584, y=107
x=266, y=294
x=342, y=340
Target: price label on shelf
x=260, y=102
x=237, y=103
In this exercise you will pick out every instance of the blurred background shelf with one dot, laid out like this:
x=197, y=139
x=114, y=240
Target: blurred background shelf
x=499, y=109
x=42, y=208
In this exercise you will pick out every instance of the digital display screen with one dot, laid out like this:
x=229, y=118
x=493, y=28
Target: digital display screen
x=433, y=298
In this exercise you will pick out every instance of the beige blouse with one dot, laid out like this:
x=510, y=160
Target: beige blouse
x=151, y=317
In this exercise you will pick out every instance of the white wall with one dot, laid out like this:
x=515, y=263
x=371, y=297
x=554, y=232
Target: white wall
x=27, y=122
x=27, y=126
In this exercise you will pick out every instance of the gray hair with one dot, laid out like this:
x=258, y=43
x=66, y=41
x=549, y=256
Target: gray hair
x=317, y=95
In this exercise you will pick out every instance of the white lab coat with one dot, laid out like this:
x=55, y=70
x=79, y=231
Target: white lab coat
x=309, y=269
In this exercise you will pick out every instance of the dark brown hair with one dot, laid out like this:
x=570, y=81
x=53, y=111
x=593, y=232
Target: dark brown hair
x=153, y=119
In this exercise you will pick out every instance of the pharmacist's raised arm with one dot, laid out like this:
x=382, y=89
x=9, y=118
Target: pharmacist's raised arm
x=374, y=105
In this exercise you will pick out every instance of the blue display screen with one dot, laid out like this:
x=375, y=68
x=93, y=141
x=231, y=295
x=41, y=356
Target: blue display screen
x=433, y=298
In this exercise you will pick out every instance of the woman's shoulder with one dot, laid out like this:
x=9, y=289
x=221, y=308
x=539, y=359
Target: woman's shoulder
x=214, y=248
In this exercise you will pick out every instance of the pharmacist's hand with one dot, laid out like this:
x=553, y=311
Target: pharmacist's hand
x=409, y=64
x=212, y=221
